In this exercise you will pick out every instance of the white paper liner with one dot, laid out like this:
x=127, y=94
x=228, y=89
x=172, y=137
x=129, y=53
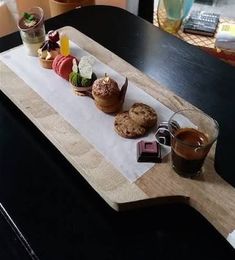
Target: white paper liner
x=96, y=126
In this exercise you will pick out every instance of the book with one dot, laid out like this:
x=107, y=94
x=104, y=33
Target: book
x=225, y=37
x=202, y=23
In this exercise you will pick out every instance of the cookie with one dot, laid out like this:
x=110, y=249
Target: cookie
x=143, y=115
x=126, y=127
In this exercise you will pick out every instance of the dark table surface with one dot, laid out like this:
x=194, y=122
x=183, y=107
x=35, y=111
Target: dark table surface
x=58, y=212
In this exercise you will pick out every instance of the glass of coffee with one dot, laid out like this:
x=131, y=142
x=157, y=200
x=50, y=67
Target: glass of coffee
x=191, y=142
x=32, y=30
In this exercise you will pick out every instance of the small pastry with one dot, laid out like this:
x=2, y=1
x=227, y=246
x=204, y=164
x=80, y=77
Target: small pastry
x=106, y=94
x=62, y=65
x=49, y=50
x=82, y=77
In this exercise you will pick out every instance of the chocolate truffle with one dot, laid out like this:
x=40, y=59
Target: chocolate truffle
x=148, y=152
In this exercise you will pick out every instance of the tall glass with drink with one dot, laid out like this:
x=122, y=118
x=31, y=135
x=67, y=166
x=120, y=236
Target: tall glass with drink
x=191, y=142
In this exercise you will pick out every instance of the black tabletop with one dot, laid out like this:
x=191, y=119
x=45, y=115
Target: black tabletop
x=57, y=211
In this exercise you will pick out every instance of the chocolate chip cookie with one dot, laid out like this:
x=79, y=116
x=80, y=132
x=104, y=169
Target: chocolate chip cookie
x=143, y=115
x=126, y=127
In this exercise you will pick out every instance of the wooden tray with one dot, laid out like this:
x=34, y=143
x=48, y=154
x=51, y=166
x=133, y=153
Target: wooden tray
x=209, y=194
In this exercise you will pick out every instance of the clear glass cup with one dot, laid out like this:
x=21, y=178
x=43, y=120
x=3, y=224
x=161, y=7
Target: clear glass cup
x=191, y=142
x=187, y=6
x=33, y=37
x=170, y=14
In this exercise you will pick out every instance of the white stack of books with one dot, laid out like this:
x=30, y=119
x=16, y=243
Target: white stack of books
x=225, y=37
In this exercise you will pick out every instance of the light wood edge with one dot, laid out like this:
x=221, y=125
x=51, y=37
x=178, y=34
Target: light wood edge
x=100, y=174
x=213, y=197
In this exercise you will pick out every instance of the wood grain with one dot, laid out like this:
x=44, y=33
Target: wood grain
x=209, y=194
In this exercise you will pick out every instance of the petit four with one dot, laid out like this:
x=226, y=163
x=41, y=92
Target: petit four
x=106, y=94
x=49, y=50
x=62, y=65
x=82, y=77
x=148, y=152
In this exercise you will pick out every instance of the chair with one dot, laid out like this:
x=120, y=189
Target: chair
x=7, y=21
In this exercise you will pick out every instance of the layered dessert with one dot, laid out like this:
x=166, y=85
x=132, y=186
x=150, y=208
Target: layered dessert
x=32, y=30
x=49, y=50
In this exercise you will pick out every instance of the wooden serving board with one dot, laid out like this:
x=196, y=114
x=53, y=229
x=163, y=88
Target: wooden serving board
x=209, y=193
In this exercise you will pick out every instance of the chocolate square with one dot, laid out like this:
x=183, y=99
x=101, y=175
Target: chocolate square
x=148, y=152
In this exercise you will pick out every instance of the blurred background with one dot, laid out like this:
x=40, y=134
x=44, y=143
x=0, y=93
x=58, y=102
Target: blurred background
x=11, y=9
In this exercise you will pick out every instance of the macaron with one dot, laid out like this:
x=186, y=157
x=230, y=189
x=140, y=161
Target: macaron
x=62, y=65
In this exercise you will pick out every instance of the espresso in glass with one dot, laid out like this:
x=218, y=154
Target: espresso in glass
x=189, y=150
x=191, y=140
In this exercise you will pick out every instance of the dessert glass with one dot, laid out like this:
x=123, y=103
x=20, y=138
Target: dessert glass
x=33, y=36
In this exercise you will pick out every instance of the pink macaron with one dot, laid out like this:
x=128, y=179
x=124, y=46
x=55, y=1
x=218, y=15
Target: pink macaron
x=62, y=65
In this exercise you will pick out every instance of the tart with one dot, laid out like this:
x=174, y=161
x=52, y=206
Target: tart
x=49, y=50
